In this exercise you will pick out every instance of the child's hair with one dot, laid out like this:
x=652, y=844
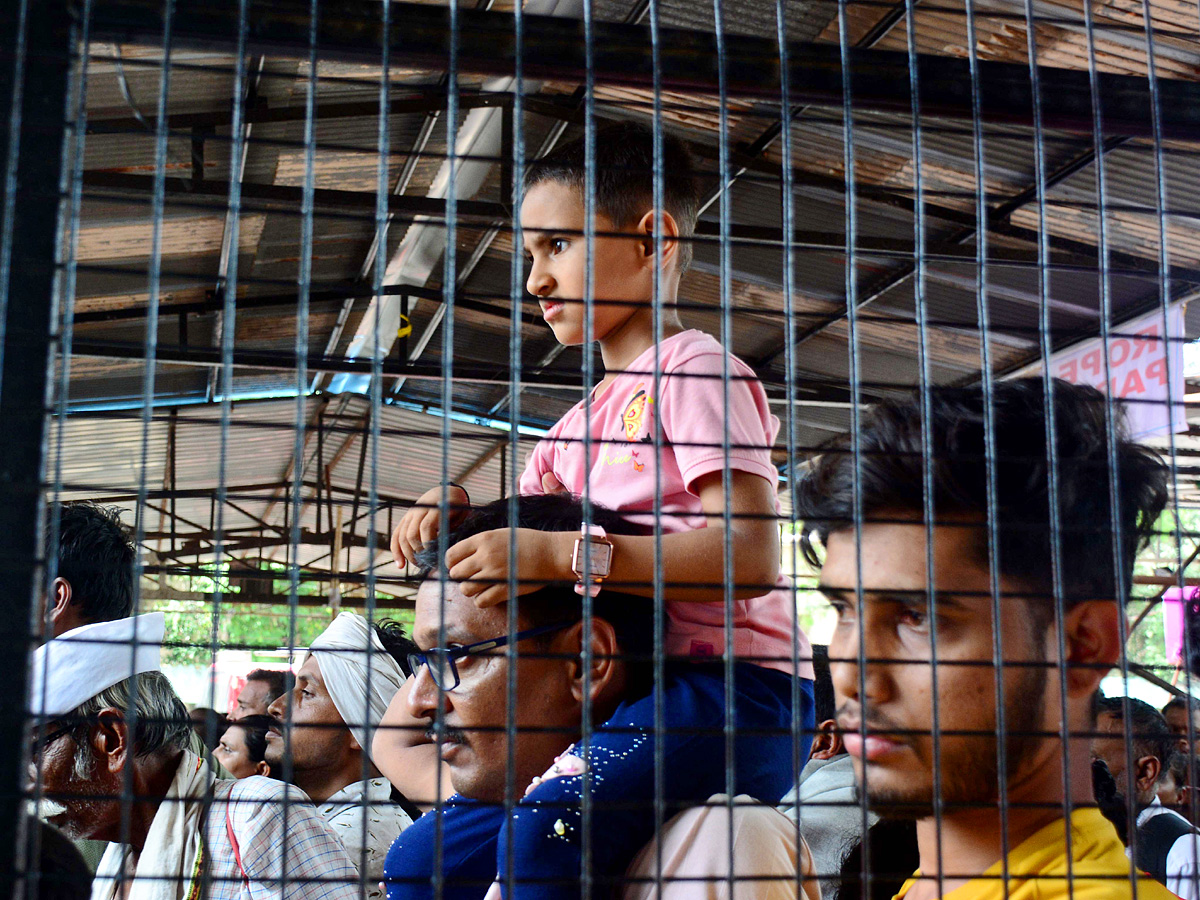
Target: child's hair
x=255, y=729
x=625, y=178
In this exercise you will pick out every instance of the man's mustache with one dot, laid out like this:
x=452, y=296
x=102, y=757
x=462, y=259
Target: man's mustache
x=875, y=721
x=448, y=734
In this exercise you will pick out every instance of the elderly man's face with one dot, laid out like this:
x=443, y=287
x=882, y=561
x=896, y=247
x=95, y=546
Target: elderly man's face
x=317, y=736
x=893, y=696
x=252, y=700
x=88, y=812
x=1108, y=744
x=475, y=742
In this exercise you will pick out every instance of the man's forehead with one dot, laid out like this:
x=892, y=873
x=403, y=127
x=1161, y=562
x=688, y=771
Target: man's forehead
x=310, y=672
x=253, y=689
x=893, y=556
x=440, y=604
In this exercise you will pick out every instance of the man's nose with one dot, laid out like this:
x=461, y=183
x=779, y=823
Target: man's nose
x=859, y=673
x=277, y=707
x=423, y=698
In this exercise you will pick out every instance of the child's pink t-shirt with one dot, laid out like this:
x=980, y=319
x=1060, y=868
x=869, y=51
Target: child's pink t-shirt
x=691, y=407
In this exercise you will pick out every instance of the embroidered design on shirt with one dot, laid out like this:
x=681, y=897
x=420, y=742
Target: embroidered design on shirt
x=635, y=414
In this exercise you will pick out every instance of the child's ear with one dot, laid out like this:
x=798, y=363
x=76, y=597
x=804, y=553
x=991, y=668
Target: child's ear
x=670, y=233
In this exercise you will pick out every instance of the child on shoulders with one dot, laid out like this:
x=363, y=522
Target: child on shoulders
x=698, y=438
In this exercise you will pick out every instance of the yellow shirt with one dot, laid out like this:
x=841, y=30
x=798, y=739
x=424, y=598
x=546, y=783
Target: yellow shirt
x=1038, y=868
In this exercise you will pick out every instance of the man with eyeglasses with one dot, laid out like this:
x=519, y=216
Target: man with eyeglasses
x=520, y=771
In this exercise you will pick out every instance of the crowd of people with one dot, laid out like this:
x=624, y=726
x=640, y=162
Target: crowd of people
x=606, y=690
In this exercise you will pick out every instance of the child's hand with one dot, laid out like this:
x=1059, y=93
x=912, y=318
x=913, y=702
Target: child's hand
x=551, y=484
x=422, y=523
x=479, y=564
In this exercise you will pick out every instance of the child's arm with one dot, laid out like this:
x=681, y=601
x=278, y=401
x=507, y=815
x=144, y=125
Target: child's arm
x=692, y=561
x=406, y=757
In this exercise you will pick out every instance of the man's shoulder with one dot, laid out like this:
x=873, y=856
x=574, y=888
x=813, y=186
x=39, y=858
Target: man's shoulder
x=467, y=830
x=259, y=789
x=1165, y=826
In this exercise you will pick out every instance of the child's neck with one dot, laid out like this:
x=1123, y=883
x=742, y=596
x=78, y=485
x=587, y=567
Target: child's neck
x=633, y=337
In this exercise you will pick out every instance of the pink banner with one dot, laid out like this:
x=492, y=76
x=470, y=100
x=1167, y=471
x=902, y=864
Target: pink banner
x=1173, y=620
x=1140, y=363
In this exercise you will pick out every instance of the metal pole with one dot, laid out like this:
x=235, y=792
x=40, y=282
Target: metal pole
x=34, y=66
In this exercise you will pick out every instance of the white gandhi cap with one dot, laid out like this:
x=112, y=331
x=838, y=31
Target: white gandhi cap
x=78, y=665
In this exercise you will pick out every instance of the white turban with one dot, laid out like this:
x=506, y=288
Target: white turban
x=79, y=664
x=346, y=651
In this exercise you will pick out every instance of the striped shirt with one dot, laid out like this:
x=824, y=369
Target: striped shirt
x=287, y=851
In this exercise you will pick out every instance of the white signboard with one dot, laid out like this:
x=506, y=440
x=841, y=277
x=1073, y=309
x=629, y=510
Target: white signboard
x=1139, y=365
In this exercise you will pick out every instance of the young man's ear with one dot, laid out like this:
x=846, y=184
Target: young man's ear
x=262, y=767
x=110, y=739
x=602, y=662
x=670, y=233
x=1092, y=637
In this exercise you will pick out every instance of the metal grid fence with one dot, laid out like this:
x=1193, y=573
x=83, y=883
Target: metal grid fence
x=264, y=287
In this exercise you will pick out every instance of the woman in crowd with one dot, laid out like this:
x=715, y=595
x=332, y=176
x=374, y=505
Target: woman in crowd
x=243, y=747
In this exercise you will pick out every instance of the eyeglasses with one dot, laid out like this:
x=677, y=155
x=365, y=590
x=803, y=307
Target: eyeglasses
x=442, y=660
x=40, y=742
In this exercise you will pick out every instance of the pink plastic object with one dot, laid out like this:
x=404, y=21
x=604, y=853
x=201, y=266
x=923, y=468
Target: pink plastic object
x=1174, y=601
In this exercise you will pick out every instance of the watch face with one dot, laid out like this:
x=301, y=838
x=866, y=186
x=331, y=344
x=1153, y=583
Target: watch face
x=599, y=555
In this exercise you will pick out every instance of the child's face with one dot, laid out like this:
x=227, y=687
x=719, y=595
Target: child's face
x=552, y=218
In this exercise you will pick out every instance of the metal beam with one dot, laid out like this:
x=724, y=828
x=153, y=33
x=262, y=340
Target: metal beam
x=324, y=293
x=431, y=99
x=202, y=570
x=229, y=251
x=1069, y=252
x=818, y=389
x=36, y=37
x=285, y=196
x=190, y=546
x=620, y=53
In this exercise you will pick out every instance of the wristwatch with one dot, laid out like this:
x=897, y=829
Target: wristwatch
x=593, y=546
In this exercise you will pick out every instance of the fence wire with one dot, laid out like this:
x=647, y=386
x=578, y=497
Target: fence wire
x=588, y=448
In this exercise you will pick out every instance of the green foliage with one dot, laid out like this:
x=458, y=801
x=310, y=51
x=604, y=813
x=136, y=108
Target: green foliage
x=190, y=626
x=246, y=626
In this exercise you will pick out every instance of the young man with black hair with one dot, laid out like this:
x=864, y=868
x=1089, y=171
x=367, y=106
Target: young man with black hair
x=1165, y=843
x=567, y=671
x=964, y=707
x=94, y=573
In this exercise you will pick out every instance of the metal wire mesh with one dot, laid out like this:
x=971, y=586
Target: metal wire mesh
x=275, y=282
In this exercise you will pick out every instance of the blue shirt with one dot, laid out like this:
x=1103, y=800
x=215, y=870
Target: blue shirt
x=470, y=830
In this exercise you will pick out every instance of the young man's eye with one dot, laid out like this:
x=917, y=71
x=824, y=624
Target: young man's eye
x=915, y=618
x=558, y=245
